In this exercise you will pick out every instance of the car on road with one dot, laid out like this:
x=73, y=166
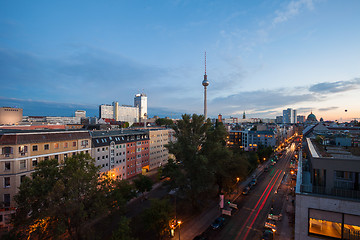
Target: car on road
x=218, y=223
x=246, y=190
x=267, y=235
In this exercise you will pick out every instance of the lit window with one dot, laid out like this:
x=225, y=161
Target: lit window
x=6, y=182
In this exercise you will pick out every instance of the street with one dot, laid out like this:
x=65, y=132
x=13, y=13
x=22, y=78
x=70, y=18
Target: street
x=269, y=194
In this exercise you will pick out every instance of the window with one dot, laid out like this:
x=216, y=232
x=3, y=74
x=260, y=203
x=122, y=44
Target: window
x=34, y=162
x=7, y=200
x=56, y=145
x=35, y=148
x=46, y=158
x=7, y=151
x=46, y=147
x=65, y=155
x=57, y=157
x=74, y=144
x=22, y=178
x=22, y=164
x=84, y=143
x=66, y=145
x=325, y=223
x=7, y=166
x=6, y=182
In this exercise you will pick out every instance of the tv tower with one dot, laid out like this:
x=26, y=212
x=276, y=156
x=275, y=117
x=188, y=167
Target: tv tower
x=205, y=83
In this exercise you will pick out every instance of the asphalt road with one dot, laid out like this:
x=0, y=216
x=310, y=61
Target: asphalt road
x=248, y=222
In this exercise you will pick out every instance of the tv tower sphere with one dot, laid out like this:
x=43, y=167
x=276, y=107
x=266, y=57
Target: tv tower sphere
x=205, y=83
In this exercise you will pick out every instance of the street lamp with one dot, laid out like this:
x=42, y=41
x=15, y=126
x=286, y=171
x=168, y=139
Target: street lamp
x=179, y=222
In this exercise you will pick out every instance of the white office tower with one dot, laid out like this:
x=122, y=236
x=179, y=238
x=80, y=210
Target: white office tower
x=294, y=117
x=140, y=101
x=106, y=111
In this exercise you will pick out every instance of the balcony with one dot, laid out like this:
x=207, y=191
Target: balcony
x=335, y=192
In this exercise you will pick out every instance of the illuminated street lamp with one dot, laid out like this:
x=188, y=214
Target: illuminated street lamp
x=179, y=222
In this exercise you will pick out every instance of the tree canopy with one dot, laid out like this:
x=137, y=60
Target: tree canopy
x=164, y=122
x=61, y=198
x=204, y=163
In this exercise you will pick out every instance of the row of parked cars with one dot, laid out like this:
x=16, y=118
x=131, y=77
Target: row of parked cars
x=218, y=223
x=251, y=184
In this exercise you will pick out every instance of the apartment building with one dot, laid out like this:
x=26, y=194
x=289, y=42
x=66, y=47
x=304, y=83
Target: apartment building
x=121, y=153
x=21, y=150
x=251, y=140
x=327, y=193
x=159, y=154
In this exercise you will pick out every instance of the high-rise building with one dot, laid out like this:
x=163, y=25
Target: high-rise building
x=289, y=116
x=140, y=101
x=294, y=116
x=106, y=111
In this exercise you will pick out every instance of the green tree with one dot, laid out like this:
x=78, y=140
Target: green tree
x=60, y=199
x=143, y=184
x=158, y=216
x=194, y=180
x=164, y=122
x=123, y=232
x=226, y=166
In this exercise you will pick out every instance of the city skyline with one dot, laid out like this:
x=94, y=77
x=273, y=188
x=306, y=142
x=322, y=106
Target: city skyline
x=262, y=57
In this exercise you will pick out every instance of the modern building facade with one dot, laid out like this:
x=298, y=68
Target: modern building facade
x=251, y=140
x=10, y=116
x=128, y=114
x=289, y=116
x=22, y=150
x=106, y=111
x=140, y=101
x=327, y=193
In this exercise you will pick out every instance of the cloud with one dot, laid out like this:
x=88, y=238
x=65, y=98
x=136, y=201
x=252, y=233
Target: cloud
x=86, y=73
x=260, y=100
x=335, y=87
x=291, y=10
x=327, y=109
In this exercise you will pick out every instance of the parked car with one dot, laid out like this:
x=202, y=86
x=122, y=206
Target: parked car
x=253, y=182
x=218, y=223
x=246, y=190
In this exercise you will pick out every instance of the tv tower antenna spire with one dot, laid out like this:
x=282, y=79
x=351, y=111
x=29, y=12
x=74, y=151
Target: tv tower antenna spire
x=205, y=83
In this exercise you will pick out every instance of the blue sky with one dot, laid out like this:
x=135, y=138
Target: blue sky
x=262, y=56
